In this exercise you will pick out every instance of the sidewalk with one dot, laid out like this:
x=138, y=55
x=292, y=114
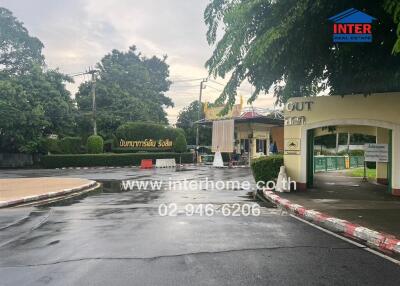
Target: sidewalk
x=366, y=204
x=23, y=190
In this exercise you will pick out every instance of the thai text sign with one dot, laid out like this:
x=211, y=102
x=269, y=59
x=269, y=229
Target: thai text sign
x=147, y=143
x=376, y=153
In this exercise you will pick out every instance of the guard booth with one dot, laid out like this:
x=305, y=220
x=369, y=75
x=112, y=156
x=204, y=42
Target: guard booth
x=248, y=133
x=375, y=114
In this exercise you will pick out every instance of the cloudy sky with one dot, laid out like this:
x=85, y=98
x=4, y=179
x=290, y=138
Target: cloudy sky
x=78, y=33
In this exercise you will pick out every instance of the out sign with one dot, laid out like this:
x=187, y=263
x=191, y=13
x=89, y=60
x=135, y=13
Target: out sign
x=299, y=106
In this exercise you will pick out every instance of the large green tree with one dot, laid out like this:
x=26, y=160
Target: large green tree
x=186, y=119
x=130, y=87
x=286, y=46
x=33, y=101
x=18, y=50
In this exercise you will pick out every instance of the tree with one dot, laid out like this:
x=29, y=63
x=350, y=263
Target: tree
x=33, y=103
x=186, y=119
x=130, y=87
x=18, y=50
x=393, y=8
x=180, y=143
x=287, y=45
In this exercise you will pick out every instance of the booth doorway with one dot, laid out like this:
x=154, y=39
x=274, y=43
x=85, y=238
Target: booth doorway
x=322, y=161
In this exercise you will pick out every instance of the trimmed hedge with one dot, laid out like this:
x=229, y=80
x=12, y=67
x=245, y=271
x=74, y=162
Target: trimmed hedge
x=266, y=168
x=52, y=146
x=95, y=144
x=137, y=131
x=109, y=159
x=138, y=150
x=147, y=130
x=70, y=145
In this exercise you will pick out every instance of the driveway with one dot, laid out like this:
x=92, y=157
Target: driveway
x=114, y=237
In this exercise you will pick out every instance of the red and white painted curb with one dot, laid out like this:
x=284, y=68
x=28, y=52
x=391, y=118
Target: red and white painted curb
x=49, y=195
x=375, y=239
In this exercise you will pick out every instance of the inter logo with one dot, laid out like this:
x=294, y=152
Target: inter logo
x=352, y=26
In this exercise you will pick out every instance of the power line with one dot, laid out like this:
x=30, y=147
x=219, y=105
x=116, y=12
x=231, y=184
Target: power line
x=217, y=82
x=214, y=88
x=186, y=80
x=240, y=89
x=174, y=86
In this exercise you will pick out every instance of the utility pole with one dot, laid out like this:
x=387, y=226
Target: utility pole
x=93, y=92
x=199, y=109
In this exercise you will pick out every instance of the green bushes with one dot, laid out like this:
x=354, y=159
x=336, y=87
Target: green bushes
x=95, y=144
x=266, y=168
x=66, y=145
x=180, y=144
x=352, y=153
x=70, y=145
x=52, y=146
x=109, y=159
x=138, y=150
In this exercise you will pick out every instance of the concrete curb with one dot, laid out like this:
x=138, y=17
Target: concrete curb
x=4, y=204
x=375, y=239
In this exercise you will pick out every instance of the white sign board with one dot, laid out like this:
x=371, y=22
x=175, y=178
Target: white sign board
x=376, y=153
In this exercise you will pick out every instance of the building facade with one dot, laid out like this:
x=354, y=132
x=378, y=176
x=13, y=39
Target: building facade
x=306, y=117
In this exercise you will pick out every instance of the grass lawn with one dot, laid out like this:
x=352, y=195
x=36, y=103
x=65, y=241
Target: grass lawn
x=359, y=172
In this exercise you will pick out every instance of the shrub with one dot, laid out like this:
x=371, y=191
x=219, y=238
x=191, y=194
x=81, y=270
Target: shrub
x=109, y=159
x=52, y=146
x=180, y=144
x=95, y=144
x=139, y=150
x=266, y=168
x=356, y=153
x=70, y=145
x=352, y=153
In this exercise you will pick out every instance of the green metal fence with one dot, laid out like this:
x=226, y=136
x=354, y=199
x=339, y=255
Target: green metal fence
x=356, y=161
x=331, y=163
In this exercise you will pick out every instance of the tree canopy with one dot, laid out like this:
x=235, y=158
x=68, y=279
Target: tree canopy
x=130, y=87
x=18, y=50
x=186, y=119
x=33, y=101
x=286, y=46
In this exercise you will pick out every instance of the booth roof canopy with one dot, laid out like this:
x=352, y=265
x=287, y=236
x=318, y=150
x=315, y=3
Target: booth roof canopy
x=274, y=118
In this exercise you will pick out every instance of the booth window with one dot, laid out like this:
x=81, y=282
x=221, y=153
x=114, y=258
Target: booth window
x=261, y=146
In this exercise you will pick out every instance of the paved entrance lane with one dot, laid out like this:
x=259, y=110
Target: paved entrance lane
x=118, y=238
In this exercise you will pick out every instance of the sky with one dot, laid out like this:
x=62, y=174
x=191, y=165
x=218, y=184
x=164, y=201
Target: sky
x=78, y=33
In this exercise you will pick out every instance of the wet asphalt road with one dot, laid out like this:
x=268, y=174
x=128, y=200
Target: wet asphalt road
x=118, y=238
